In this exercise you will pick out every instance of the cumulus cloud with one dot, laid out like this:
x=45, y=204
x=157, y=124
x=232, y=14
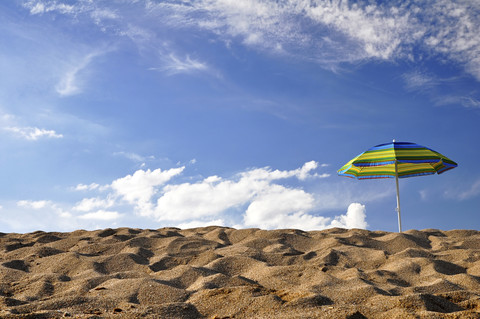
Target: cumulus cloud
x=101, y=215
x=201, y=223
x=354, y=218
x=214, y=195
x=33, y=204
x=139, y=188
x=37, y=214
x=33, y=133
x=280, y=207
x=258, y=197
x=89, y=204
x=288, y=209
x=56, y=216
x=83, y=187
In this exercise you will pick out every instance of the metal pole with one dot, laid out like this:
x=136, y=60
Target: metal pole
x=398, y=199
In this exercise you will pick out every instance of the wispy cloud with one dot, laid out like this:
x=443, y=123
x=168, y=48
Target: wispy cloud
x=341, y=31
x=40, y=7
x=472, y=190
x=32, y=133
x=69, y=82
x=469, y=101
x=452, y=99
x=439, y=89
x=419, y=81
x=328, y=32
x=171, y=64
x=134, y=156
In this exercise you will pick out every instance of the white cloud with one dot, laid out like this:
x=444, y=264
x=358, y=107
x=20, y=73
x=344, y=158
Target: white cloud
x=32, y=133
x=376, y=31
x=174, y=65
x=33, y=204
x=454, y=32
x=53, y=216
x=89, y=204
x=255, y=193
x=214, y=195
x=417, y=80
x=210, y=197
x=473, y=190
x=424, y=194
x=41, y=7
x=280, y=207
x=355, y=217
x=438, y=89
x=101, y=215
x=289, y=208
x=201, y=223
x=29, y=215
x=134, y=157
x=83, y=187
x=257, y=197
x=469, y=101
x=139, y=188
x=103, y=14
x=337, y=195
x=69, y=83
x=6, y=118
x=341, y=31
x=304, y=171
x=301, y=173
x=328, y=32
x=454, y=99
x=324, y=31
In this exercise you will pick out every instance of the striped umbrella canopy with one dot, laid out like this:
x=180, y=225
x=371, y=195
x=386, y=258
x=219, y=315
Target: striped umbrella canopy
x=396, y=160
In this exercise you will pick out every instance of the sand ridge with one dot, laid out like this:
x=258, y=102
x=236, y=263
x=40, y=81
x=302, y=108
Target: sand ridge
x=219, y=272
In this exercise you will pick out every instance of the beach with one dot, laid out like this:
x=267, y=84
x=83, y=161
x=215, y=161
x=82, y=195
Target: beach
x=220, y=272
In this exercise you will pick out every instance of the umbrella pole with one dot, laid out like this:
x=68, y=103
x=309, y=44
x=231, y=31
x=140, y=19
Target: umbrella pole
x=398, y=199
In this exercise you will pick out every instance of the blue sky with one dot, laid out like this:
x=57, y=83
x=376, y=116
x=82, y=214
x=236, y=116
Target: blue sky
x=237, y=113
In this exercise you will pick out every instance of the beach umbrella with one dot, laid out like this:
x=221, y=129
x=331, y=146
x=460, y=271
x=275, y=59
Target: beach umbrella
x=396, y=160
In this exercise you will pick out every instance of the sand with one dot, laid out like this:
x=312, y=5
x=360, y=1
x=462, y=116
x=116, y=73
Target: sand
x=218, y=272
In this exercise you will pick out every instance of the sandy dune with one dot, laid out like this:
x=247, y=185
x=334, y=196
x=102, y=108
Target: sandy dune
x=217, y=272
